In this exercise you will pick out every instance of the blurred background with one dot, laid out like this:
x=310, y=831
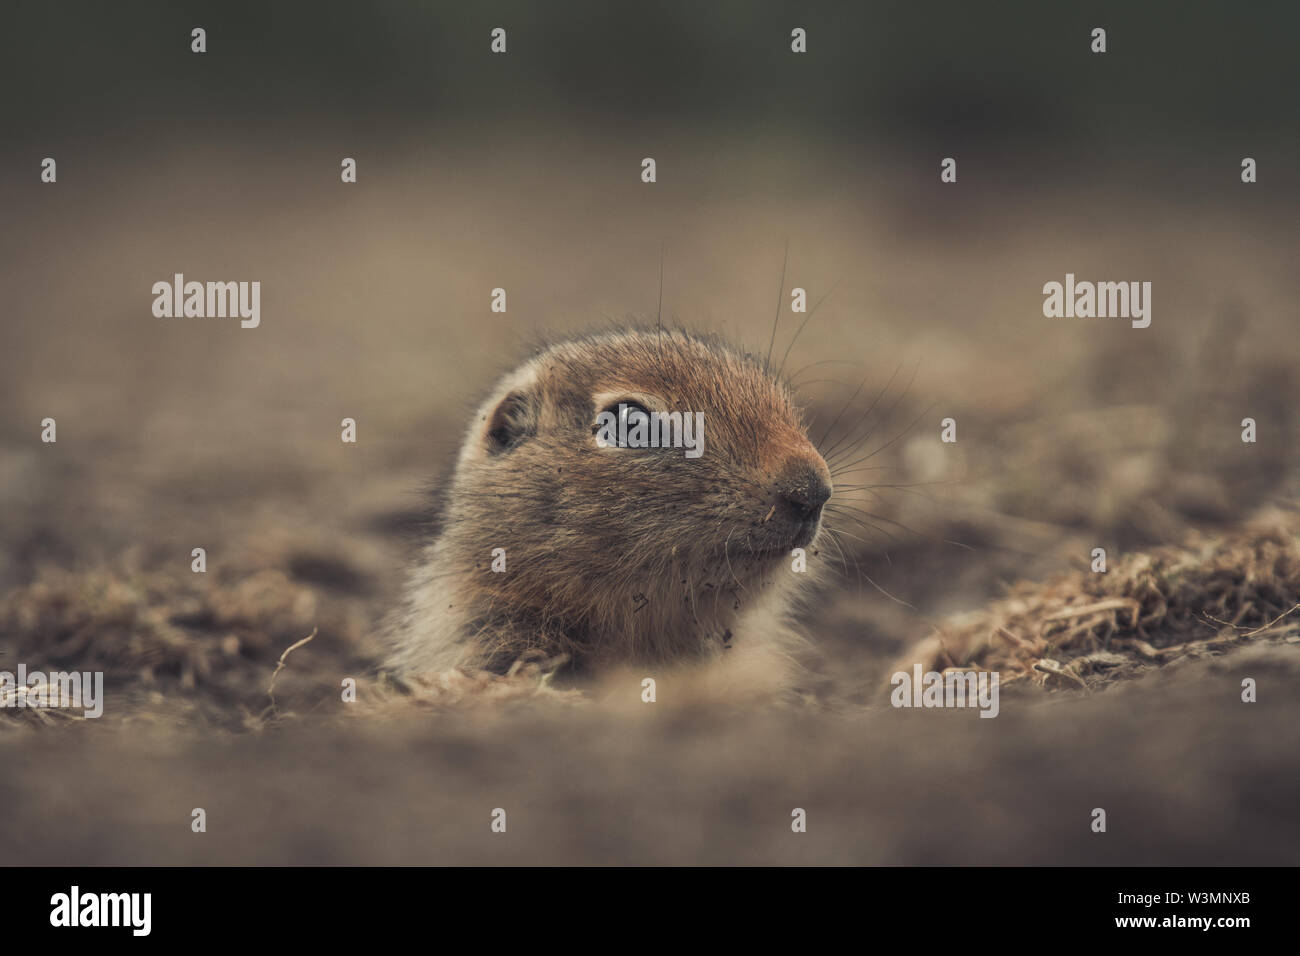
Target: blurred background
x=522, y=171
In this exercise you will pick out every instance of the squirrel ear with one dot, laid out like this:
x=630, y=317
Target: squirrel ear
x=510, y=423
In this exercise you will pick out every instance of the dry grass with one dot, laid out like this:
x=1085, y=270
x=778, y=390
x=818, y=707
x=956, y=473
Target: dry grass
x=1086, y=630
x=173, y=646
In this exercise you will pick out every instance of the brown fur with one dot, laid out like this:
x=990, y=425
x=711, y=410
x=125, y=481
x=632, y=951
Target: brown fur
x=614, y=555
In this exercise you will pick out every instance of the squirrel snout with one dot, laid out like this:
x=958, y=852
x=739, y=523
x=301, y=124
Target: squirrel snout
x=802, y=490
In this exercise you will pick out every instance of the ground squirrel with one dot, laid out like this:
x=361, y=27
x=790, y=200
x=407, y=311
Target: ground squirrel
x=614, y=554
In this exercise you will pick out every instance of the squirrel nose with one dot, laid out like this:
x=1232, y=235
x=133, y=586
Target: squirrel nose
x=803, y=490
